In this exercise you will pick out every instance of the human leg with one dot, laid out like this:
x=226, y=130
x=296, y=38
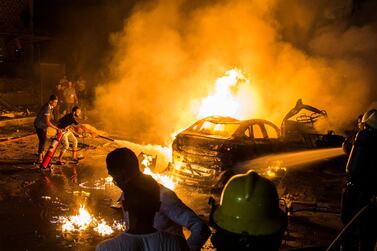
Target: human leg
x=65, y=147
x=42, y=136
x=74, y=146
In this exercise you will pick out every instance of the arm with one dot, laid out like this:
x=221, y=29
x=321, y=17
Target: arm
x=179, y=213
x=80, y=128
x=48, y=122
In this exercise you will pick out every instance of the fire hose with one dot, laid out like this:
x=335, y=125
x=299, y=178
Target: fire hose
x=8, y=140
x=298, y=206
x=334, y=244
x=103, y=137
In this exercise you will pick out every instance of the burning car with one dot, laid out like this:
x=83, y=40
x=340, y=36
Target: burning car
x=204, y=154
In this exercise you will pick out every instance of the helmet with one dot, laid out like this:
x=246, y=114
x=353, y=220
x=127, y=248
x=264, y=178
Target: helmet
x=370, y=119
x=250, y=205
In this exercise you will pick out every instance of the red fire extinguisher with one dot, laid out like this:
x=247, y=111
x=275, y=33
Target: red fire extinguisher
x=51, y=150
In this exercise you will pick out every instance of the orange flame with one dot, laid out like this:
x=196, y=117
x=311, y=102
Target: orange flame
x=230, y=98
x=84, y=220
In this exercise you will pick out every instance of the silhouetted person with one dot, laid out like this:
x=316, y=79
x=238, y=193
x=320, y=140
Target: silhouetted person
x=141, y=203
x=361, y=186
x=123, y=166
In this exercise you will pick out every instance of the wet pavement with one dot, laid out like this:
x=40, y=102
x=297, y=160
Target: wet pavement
x=31, y=202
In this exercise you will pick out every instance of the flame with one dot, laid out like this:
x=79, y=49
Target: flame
x=164, y=180
x=84, y=221
x=147, y=162
x=223, y=102
x=103, y=229
x=77, y=222
x=109, y=181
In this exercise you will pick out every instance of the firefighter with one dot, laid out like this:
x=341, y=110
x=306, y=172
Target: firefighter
x=361, y=186
x=248, y=217
x=42, y=122
x=348, y=142
x=123, y=166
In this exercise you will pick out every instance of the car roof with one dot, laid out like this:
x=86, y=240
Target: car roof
x=222, y=119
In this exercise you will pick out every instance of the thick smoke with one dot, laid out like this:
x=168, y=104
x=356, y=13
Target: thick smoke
x=170, y=53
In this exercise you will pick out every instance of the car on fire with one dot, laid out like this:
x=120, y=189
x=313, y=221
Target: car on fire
x=205, y=153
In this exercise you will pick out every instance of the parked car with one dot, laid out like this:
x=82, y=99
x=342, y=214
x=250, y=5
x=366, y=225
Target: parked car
x=204, y=153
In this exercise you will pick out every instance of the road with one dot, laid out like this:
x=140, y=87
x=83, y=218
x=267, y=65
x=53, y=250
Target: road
x=31, y=202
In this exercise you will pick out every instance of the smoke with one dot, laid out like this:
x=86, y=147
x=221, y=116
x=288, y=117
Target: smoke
x=170, y=53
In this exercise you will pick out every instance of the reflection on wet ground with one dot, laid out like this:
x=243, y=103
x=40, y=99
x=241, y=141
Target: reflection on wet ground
x=41, y=211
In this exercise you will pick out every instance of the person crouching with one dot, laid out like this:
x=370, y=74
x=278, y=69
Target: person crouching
x=65, y=123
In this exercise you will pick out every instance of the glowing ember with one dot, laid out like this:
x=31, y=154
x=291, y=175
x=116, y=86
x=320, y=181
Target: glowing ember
x=103, y=229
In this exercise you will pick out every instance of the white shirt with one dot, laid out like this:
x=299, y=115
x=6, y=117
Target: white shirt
x=157, y=241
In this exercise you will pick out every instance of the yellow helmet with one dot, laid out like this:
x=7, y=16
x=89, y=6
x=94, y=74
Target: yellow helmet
x=370, y=119
x=250, y=205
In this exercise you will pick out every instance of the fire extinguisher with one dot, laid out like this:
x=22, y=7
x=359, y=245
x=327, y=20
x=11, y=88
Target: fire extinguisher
x=51, y=150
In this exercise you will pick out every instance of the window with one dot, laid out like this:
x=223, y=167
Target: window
x=257, y=132
x=225, y=130
x=247, y=133
x=271, y=131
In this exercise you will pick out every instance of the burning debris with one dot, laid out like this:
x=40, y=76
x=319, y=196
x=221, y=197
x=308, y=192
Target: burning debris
x=84, y=221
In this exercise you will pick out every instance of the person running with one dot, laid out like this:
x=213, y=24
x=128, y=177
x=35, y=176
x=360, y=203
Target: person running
x=42, y=122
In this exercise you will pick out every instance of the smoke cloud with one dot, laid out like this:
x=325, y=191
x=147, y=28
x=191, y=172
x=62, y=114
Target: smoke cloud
x=170, y=53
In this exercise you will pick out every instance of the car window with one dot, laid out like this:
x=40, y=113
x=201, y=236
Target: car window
x=247, y=133
x=257, y=131
x=271, y=131
x=225, y=130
